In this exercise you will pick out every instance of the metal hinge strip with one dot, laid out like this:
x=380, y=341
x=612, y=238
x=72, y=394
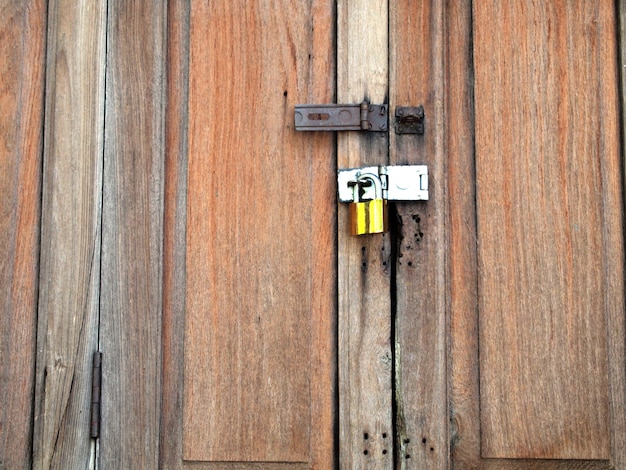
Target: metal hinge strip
x=341, y=117
x=96, y=393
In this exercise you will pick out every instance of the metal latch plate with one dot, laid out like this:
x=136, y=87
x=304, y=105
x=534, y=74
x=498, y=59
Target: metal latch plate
x=409, y=120
x=341, y=117
x=400, y=182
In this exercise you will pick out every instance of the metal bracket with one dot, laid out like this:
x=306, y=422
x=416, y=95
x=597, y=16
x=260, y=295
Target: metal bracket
x=341, y=117
x=399, y=182
x=409, y=120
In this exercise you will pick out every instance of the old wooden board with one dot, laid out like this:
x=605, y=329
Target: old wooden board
x=22, y=59
x=174, y=235
x=364, y=267
x=550, y=250
x=417, y=37
x=462, y=268
x=70, y=233
x=131, y=295
x=260, y=276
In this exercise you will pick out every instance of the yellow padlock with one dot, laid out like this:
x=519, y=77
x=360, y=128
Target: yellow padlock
x=368, y=217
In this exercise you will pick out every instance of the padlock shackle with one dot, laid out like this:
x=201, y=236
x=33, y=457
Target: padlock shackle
x=375, y=181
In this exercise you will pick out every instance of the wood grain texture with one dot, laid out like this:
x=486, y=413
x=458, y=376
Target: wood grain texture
x=260, y=237
x=417, y=77
x=365, y=358
x=246, y=466
x=463, y=296
x=131, y=294
x=549, y=212
x=22, y=65
x=174, y=235
x=616, y=328
x=70, y=233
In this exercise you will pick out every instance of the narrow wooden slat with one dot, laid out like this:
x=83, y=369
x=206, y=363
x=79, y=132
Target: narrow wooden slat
x=174, y=234
x=22, y=61
x=549, y=227
x=616, y=327
x=260, y=209
x=70, y=234
x=365, y=359
x=463, y=300
x=417, y=77
x=131, y=295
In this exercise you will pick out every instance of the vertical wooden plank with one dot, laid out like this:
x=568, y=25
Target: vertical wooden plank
x=616, y=319
x=22, y=60
x=417, y=77
x=365, y=358
x=549, y=228
x=463, y=298
x=260, y=274
x=174, y=234
x=131, y=295
x=70, y=234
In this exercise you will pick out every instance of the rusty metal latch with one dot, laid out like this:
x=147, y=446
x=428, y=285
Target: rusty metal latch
x=409, y=120
x=341, y=117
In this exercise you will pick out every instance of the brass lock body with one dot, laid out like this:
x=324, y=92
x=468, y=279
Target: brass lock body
x=368, y=216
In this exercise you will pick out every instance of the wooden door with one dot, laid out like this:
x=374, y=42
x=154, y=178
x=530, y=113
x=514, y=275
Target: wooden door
x=495, y=262
x=202, y=250
x=536, y=241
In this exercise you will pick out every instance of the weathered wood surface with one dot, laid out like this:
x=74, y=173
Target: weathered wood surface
x=259, y=354
x=417, y=42
x=22, y=65
x=364, y=263
x=70, y=233
x=549, y=221
x=463, y=301
x=247, y=466
x=131, y=294
x=174, y=235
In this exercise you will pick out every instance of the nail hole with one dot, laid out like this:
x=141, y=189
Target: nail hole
x=406, y=441
x=407, y=456
x=365, y=452
x=384, y=451
x=432, y=449
x=366, y=436
x=363, y=249
x=424, y=440
x=384, y=435
x=410, y=263
x=285, y=93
